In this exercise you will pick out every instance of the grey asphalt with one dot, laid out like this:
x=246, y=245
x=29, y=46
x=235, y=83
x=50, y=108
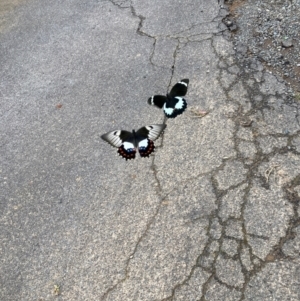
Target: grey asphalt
x=214, y=215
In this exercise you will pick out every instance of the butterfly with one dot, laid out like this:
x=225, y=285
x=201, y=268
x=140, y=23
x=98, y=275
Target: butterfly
x=128, y=142
x=173, y=104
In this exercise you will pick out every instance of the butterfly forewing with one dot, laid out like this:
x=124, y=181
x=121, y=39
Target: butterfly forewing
x=116, y=138
x=180, y=88
x=124, y=140
x=157, y=100
x=151, y=131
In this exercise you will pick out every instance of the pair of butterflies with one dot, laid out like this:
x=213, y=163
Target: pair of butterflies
x=173, y=104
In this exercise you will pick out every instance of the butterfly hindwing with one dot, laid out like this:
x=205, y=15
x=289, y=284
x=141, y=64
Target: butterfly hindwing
x=157, y=100
x=146, y=147
x=127, y=150
x=180, y=88
x=175, y=107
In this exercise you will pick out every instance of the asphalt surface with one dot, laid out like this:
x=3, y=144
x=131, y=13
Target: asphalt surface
x=214, y=215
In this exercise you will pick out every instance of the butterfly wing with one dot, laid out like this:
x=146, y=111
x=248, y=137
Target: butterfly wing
x=180, y=88
x=174, y=107
x=127, y=150
x=146, y=147
x=124, y=141
x=116, y=138
x=145, y=137
x=152, y=131
x=157, y=100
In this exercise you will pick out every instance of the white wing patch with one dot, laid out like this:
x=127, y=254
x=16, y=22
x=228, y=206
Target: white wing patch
x=128, y=145
x=180, y=103
x=151, y=100
x=168, y=111
x=143, y=143
x=183, y=83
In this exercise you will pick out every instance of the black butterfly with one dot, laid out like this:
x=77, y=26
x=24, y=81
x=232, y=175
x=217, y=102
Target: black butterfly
x=128, y=142
x=173, y=104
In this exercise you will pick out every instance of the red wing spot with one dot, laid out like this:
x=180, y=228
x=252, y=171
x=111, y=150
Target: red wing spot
x=58, y=106
x=150, y=148
x=125, y=154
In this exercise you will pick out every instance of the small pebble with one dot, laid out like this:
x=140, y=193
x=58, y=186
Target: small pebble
x=287, y=43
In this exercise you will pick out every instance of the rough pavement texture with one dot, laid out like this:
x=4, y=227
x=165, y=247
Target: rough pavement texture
x=214, y=215
x=268, y=30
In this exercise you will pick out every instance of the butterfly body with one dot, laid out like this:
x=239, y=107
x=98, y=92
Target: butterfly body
x=128, y=142
x=173, y=104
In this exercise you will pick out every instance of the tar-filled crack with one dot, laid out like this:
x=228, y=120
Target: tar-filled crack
x=153, y=52
x=119, y=4
x=141, y=18
x=177, y=35
x=173, y=65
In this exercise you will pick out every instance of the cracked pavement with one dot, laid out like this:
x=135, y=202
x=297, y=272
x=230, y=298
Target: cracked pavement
x=214, y=215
